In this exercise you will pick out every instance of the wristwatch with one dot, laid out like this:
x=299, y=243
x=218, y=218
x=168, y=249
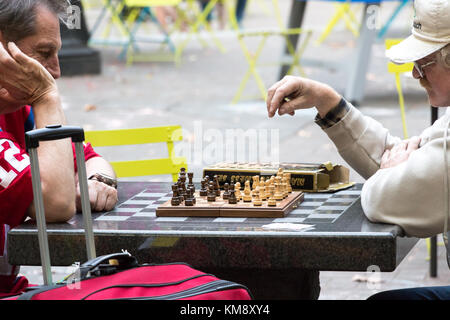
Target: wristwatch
x=101, y=177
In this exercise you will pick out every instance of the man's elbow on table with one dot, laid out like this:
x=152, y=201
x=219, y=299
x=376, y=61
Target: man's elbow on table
x=415, y=216
x=57, y=209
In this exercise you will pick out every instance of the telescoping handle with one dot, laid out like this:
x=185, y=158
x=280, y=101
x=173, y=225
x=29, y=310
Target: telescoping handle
x=32, y=139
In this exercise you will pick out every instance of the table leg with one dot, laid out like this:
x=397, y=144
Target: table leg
x=285, y=284
x=295, y=21
x=355, y=86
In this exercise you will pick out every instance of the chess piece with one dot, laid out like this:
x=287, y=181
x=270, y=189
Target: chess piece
x=278, y=193
x=190, y=198
x=191, y=183
x=183, y=186
x=193, y=195
x=284, y=187
x=271, y=202
x=232, y=198
x=203, y=190
x=226, y=192
x=257, y=199
x=280, y=172
x=237, y=190
x=288, y=181
x=262, y=189
x=247, y=192
x=216, y=186
x=175, y=201
x=211, y=197
x=255, y=184
x=182, y=172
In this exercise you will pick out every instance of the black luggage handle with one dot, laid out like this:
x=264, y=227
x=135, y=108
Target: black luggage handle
x=53, y=132
x=102, y=265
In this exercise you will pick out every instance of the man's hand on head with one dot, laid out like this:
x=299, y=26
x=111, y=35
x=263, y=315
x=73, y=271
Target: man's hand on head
x=399, y=153
x=23, y=79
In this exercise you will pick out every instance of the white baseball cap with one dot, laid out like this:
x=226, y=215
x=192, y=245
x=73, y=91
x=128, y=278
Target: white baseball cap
x=430, y=32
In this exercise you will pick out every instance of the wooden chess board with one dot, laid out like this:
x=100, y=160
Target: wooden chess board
x=221, y=208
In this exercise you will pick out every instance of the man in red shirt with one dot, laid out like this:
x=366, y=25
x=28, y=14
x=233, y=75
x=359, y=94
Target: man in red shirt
x=29, y=98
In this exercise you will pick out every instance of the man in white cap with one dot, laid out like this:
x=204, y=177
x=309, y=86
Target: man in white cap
x=407, y=180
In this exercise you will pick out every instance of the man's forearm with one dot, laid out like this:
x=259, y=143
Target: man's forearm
x=55, y=163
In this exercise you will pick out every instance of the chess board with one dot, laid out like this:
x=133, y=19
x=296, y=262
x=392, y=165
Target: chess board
x=140, y=209
x=221, y=208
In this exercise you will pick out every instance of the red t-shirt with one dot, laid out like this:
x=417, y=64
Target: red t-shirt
x=16, y=192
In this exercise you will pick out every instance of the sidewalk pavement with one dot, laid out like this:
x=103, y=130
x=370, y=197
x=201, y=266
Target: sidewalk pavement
x=197, y=95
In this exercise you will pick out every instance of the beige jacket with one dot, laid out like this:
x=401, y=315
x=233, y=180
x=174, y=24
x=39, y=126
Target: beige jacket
x=412, y=194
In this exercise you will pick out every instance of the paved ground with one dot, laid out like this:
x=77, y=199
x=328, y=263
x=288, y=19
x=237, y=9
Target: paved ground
x=197, y=95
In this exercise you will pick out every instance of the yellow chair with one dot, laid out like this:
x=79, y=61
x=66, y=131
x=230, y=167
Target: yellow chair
x=252, y=57
x=170, y=165
x=397, y=70
x=343, y=11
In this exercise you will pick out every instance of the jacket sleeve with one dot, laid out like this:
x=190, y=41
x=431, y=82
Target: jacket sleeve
x=361, y=141
x=411, y=194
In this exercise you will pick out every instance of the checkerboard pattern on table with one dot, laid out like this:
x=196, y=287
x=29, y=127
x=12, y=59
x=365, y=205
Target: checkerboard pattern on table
x=316, y=208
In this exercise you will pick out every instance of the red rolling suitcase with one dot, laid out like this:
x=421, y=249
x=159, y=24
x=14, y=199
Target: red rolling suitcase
x=117, y=275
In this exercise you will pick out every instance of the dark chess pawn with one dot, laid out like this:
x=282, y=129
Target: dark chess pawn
x=190, y=198
x=226, y=193
x=232, y=198
x=203, y=190
x=211, y=197
x=175, y=198
x=193, y=195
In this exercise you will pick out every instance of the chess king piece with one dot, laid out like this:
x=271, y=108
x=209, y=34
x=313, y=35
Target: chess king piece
x=247, y=192
x=271, y=202
x=257, y=200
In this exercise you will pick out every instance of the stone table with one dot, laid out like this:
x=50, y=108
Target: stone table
x=274, y=264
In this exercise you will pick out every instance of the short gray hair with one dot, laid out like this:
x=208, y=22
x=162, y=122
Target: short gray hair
x=18, y=17
x=444, y=56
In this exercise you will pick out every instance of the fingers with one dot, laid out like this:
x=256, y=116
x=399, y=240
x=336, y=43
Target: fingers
x=385, y=159
x=272, y=105
x=413, y=144
x=18, y=55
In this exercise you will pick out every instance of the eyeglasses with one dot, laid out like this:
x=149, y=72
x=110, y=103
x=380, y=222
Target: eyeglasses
x=420, y=67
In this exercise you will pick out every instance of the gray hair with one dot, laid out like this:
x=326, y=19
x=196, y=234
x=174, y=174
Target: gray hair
x=18, y=17
x=444, y=56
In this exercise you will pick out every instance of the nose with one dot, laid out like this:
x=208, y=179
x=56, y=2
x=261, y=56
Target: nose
x=53, y=67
